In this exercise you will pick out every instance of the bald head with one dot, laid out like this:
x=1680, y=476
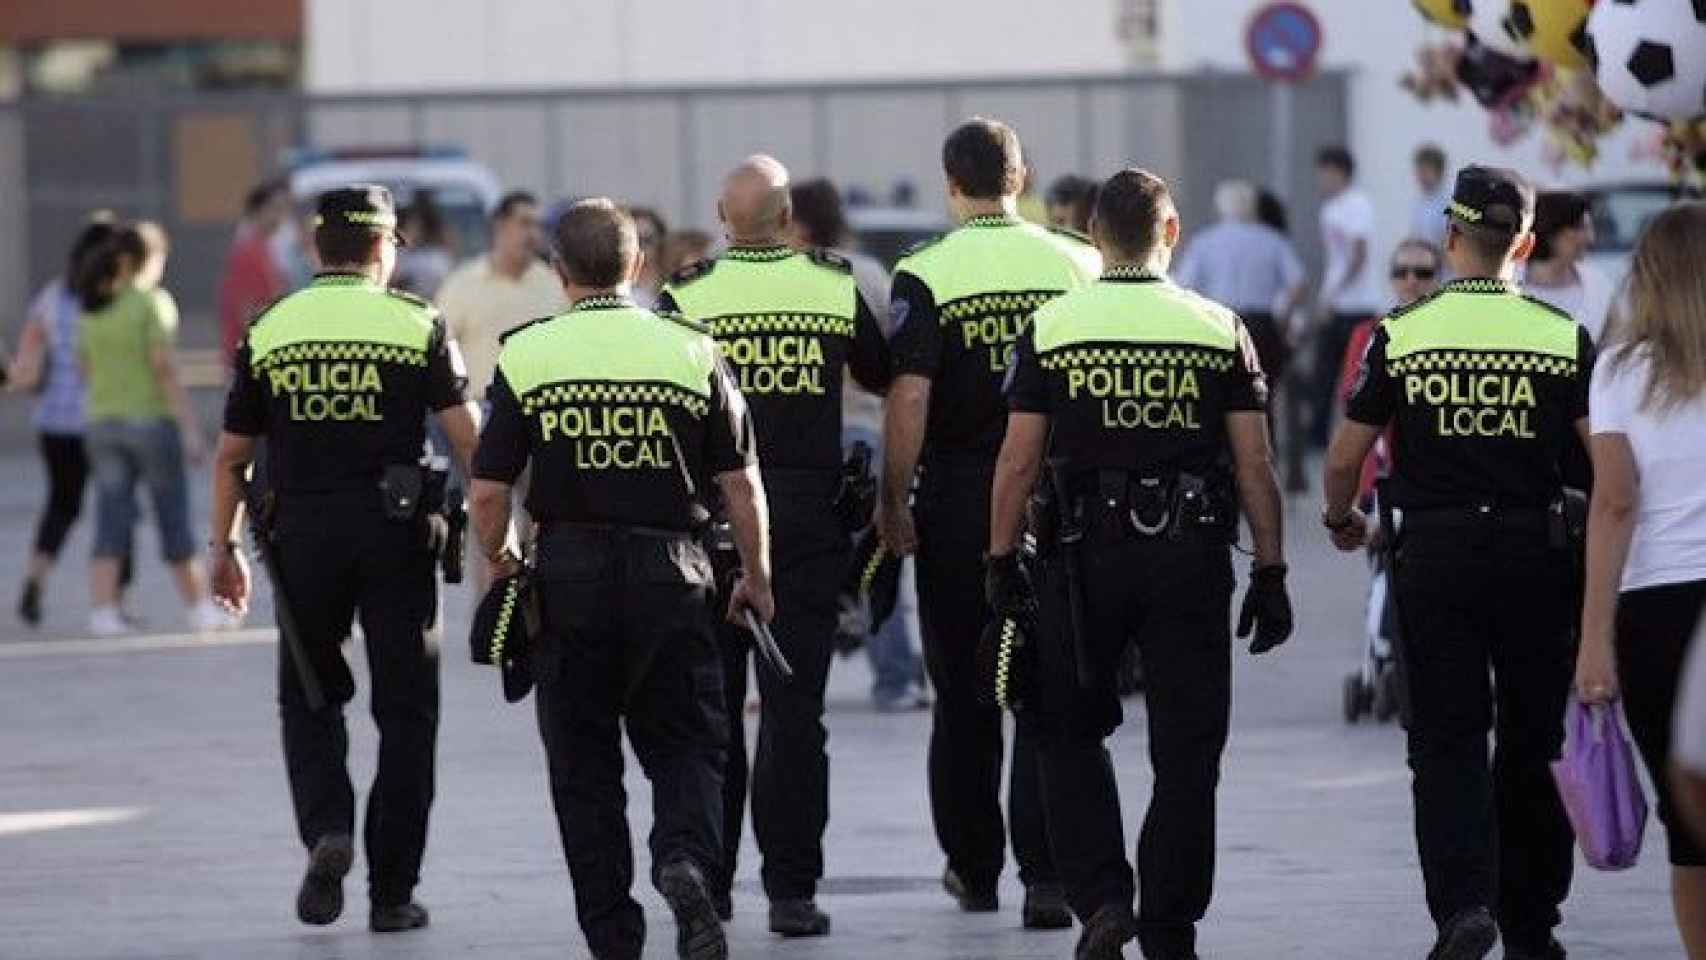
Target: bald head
x=755, y=205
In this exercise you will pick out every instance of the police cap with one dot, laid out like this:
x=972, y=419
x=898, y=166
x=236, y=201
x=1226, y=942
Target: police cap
x=499, y=635
x=1492, y=198
x=365, y=206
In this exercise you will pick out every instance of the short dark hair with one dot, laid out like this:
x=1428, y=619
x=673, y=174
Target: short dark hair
x=1338, y=158
x=596, y=243
x=260, y=195
x=342, y=245
x=819, y=212
x=1488, y=244
x=1429, y=155
x=99, y=230
x=1554, y=212
x=1069, y=190
x=509, y=201
x=983, y=158
x=1130, y=209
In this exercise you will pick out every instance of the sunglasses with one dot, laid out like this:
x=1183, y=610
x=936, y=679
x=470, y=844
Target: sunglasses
x=1402, y=272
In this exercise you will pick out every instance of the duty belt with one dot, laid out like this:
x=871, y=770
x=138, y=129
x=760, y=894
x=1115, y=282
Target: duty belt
x=609, y=531
x=1486, y=519
x=1115, y=505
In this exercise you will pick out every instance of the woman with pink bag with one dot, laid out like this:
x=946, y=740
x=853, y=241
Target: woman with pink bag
x=1646, y=557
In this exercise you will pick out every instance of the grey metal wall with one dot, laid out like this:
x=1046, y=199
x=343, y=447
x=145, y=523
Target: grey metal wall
x=662, y=147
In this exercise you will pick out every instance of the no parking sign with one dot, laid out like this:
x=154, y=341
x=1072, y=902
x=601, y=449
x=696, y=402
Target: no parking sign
x=1283, y=41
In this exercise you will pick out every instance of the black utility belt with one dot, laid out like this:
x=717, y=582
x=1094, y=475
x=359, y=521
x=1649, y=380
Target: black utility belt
x=608, y=531
x=1548, y=522
x=403, y=492
x=1118, y=505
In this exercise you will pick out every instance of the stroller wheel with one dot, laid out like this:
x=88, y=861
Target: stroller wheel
x=1386, y=694
x=1354, y=709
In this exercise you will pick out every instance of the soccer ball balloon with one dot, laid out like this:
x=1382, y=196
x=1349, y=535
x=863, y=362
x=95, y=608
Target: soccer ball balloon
x=1650, y=56
x=1443, y=12
x=1555, y=30
x=1493, y=23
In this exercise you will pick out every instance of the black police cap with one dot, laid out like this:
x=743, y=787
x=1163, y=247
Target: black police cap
x=1492, y=198
x=365, y=206
x=499, y=635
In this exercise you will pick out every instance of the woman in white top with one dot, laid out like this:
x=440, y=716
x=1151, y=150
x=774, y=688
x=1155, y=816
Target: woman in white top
x=1646, y=572
x=1563, y=234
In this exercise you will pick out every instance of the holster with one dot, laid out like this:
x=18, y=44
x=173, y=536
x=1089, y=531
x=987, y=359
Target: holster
x=411, y=492
x=856, y=501
x=1118, y=505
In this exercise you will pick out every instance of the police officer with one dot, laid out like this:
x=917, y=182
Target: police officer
x=790, y=324
x=626, y=417
x=1483, y=388
x=1147, y=401
x=959, y=304
x=338, y=378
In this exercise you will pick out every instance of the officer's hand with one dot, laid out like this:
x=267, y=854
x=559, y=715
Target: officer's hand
x=228, y=579
x=894, y=522
x=1006, y=584
x=751, y=593
x=1354, y=535
x=506, y=564
x=1267, y=609
x=1596, y=671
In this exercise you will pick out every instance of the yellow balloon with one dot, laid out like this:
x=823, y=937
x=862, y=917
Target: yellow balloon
x=1554, y=29
x=1442, y=12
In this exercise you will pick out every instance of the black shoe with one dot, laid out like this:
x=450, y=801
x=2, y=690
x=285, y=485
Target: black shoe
x=971, y=901
x=1110, y=929
x=724, y=901
x=798, y=918
x=321, y=897
x=1469, y=935
x=397, y=919
x=29, y=603
x=1045, y=908
x=699, y=935
x=1552, y=951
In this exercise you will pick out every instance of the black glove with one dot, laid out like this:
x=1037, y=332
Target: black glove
x=1007, y=585
x=874, y=575
x=1267, y=609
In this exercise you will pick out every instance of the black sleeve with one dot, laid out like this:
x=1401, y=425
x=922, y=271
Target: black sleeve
x=917, y=338
x=1586, y=356
x=1373, y=399
x=505, y=442
x=447, y=375
x=731, y=443
x=1027, y=388
x=666, y=303
x=871, y=363
x=1247, y=388
x=246, y=403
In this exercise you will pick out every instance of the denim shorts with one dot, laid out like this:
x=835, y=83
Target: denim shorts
x=123, y=453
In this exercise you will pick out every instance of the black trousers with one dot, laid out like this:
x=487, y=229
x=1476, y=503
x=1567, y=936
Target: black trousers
x=1472, y=599
x=339, y=561
x=966, y=745
x=67, y=474
x=789, y=771
x=1175, y=598
x=627, y=640
x=1655, y=631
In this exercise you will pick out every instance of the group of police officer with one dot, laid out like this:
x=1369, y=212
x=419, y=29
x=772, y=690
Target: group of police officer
x=1070, y=441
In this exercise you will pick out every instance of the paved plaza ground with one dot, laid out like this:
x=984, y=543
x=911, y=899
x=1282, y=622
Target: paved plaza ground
x=144, y=814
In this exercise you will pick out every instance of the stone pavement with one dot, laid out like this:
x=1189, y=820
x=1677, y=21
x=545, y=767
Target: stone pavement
x=144, y=814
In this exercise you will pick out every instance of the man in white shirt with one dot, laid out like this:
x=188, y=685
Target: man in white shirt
x=1427, y=217
x=1349, y=294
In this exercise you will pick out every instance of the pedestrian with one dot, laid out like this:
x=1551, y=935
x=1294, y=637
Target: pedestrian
x=46, y=365
x=1348, y=295
x=1070, y=200
x=1646, y=575
x=252, y=279
x=426, y=257
x=492, y=294
x=793, y=325
x=1249, y=267
x=1156, y=488
x=1427, y=216
x=141, y=425
x=682, y=248
x=1484, y=389
x=1557, y=273
x=623, y=413
x=652, y=230
x=820, y=220
x=959, y=304
x=339, y=378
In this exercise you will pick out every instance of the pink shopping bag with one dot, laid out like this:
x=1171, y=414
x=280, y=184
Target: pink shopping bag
x=1596, y=779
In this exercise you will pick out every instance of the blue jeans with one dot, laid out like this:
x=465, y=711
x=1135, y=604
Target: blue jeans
x=895, y=664
x=123, y=452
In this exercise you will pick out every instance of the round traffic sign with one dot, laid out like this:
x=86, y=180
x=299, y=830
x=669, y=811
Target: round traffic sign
x=1284, y=41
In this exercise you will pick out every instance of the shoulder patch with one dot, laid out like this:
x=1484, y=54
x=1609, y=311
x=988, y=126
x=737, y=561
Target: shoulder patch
x=1549, y=308
x=1409, y=308
x=1071, y=234
x=830, y=259
x=504, y=337
x=692, y=272
x=681, y=320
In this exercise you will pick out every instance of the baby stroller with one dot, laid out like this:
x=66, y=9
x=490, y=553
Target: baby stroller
x=1373, y=689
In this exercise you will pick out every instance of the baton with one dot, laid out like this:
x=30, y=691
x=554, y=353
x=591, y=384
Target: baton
x=287, y=629
x=766, y=643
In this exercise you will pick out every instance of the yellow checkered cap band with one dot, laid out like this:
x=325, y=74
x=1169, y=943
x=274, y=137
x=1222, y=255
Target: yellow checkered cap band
x=1463, y=211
